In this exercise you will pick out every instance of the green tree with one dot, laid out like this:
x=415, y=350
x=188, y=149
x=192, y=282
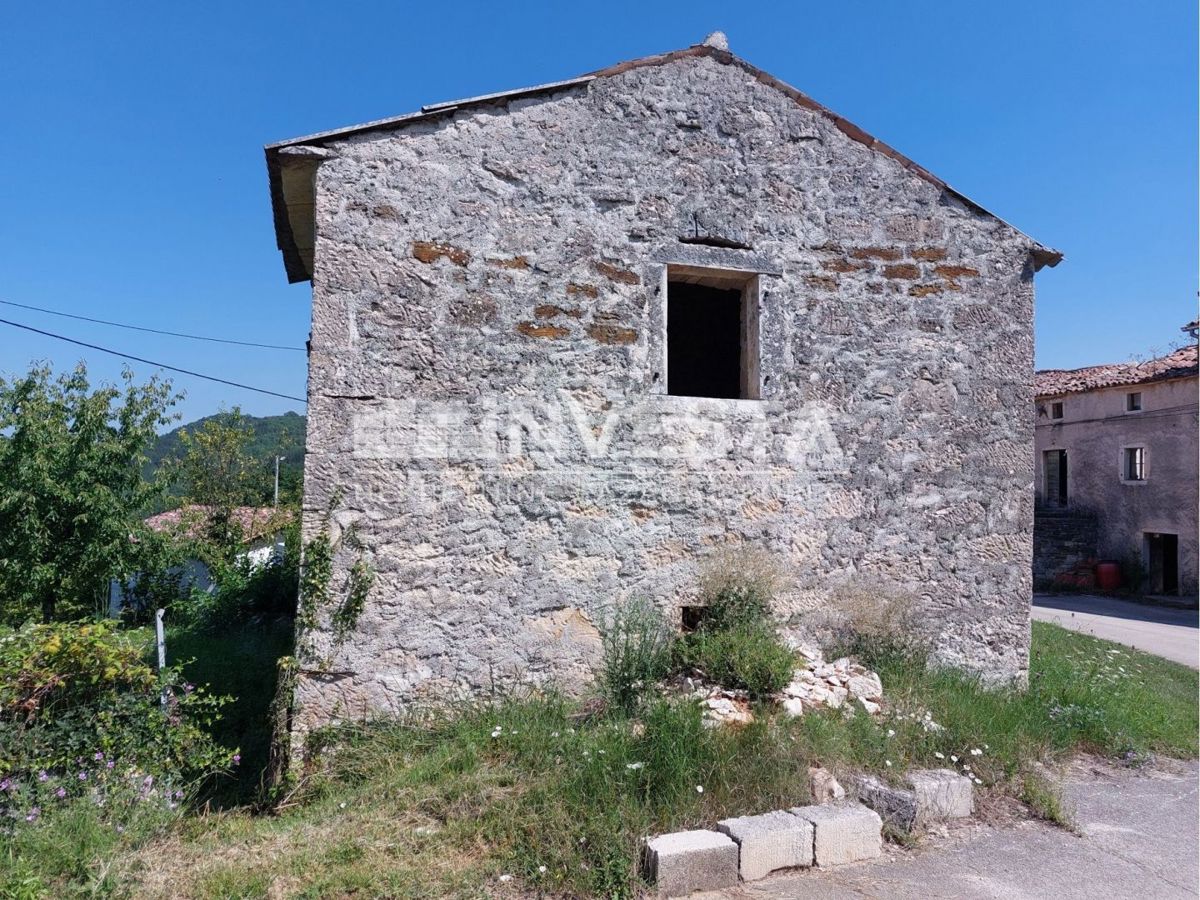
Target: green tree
x=217, y=473
x=71, y=489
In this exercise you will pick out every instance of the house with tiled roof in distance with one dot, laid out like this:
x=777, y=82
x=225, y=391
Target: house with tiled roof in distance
x=1116, y=474
x=261, y=531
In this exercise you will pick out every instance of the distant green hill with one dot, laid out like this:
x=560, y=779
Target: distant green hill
x=273, y=436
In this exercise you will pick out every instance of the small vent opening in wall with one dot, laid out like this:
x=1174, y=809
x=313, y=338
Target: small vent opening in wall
x=691, y=617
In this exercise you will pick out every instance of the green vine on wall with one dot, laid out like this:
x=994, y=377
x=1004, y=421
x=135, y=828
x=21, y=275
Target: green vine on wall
x=316, y=577
x=316, y=572
x=358, y=584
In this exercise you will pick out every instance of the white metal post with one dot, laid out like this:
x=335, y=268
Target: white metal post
x=162, y=651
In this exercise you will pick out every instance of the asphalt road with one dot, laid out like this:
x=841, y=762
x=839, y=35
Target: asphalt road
x=1171, y=633
x=1138, y=839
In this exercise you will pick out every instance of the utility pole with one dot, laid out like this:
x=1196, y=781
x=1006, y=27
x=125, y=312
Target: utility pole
x=277, y=459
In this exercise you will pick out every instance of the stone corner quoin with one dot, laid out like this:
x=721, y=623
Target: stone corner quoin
x=488, y=381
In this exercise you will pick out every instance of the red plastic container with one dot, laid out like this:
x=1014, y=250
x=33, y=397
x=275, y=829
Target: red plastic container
x=1108, y=576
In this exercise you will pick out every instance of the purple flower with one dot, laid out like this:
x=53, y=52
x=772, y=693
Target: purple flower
x=237, y=758
x=83, y=776
x=42, y=776
x=110, y=764
x=98, y=755
x=120, y=829
x=33, y=814
x=60, y=793
x=179, y=795
x=5, y=784
x=188, y=688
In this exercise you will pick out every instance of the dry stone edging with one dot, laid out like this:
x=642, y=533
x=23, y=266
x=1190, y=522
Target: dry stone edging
x=774, y=840
x=933, y=795
x=843, y=832
x=751, y=847
x=942, y=794
x=686, y=861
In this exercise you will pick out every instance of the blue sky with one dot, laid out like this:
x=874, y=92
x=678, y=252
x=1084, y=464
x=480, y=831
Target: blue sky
x=133, y=186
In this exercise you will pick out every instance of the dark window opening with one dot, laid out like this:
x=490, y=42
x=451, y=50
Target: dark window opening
x=1133, y=402
x=704, y=341
x=1056, y=411
x=1162, y=558
x=1135, y=464
x=1056, y=477
x=691, y=617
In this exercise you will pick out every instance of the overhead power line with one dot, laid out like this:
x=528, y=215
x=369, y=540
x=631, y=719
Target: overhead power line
x=151, y=362
x=194, y=337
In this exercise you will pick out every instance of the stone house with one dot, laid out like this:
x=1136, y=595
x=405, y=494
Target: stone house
x=1117, y=471
x=569, y=340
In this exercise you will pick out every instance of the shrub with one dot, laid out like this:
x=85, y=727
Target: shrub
x=872, y=621
x=738, y=588
x=747, y=656
x=637, y=652
x=81, y=714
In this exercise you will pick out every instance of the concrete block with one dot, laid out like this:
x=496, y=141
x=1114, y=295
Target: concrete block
x=895, y=806
x=843, y=832
x=774, y=840
x=942, y=794
x=687, y=861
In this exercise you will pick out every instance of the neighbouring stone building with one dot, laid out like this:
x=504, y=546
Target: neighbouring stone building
x=569, y=340
x=1117, y=471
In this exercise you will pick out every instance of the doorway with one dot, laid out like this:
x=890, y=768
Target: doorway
x=1055, y=478
x=1162, y=562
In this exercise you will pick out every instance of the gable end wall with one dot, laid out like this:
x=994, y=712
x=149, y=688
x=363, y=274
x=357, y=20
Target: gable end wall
x=479, y=275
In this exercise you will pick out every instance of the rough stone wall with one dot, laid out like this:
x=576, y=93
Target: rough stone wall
x=1061, y=541
x=487, y=399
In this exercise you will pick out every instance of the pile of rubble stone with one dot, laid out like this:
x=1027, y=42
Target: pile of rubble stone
x=814, y=685
x=832, y=684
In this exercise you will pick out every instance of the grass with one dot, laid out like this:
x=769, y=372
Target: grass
x=445, y=803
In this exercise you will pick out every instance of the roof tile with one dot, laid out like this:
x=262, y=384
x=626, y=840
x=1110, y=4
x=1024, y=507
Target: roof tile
x=1181, y=363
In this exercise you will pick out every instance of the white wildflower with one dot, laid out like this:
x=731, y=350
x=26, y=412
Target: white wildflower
x=505, y=878
x=939, y=754
x=978, y=780
x=975, y=751
x=891, y=732
x=953, y=758
x=699, y=789
x=541, y=870
x=888, y=763
x=634, y=765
